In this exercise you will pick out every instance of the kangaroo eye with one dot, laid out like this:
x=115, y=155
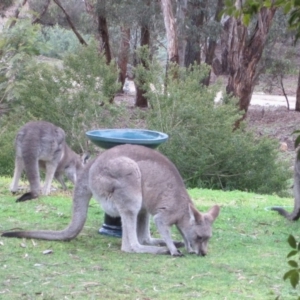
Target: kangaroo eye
x=199, y=238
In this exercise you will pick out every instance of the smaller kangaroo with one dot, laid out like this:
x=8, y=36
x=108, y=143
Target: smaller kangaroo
x=135, y=182
x=295, y=214
x=41, y=144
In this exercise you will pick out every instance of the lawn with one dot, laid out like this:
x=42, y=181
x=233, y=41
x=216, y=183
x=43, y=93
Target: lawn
x=246, y=259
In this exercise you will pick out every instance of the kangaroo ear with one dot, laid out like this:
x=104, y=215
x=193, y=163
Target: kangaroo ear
x=195, y=215
x=214, y=212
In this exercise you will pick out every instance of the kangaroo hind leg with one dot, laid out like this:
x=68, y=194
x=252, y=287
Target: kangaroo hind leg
x=127, y=197
x=19, y=167
x=50, y=171
x=33, y=175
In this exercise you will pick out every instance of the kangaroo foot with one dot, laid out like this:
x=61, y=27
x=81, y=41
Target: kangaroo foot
x=25, y=197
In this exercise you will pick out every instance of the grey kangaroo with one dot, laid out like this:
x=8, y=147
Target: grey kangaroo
x=295, y=214
x=135, y=182
x=42, y=144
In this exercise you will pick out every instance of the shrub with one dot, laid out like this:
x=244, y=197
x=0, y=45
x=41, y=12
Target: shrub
x=202, y=143
x=74, y=97
x=7, y=137
x=17, y=47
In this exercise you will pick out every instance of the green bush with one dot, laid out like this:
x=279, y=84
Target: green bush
x=203, y=144
x=74, y=97
x=7, y=138
x=17, y=47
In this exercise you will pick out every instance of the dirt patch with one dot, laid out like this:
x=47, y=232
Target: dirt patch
x=275, y=122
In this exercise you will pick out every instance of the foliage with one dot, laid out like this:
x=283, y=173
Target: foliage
x=58, y=41
x=249, y=8
x=7, y=137
x=202, y=143
x=74, y=97
x=244, y=259
x=294, y=272
x=17, y=46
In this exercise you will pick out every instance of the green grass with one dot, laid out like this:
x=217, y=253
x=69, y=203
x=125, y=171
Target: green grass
x=246, y=259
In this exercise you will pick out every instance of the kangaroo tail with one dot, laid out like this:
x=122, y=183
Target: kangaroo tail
x=74, y=228
x=293, y=216
x=81, y=199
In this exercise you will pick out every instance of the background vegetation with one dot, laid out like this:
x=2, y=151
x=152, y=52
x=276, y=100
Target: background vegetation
x=76, y=94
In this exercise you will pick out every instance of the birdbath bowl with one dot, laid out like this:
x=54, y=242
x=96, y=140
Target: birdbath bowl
x=108, y=138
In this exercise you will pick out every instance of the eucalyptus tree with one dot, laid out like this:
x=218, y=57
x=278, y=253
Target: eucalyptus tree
x=248, y=26
x=194, y=29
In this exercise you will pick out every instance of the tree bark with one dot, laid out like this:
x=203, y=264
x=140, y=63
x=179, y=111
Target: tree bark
x=171, y=32
x=297, y=107
x=123, y=54
x=244, y=54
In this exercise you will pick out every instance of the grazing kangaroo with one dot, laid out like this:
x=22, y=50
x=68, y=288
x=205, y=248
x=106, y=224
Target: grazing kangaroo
x=135, y=182
x=42, y=144
x=295, y=215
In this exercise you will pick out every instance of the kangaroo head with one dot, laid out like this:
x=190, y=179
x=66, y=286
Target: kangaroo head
x=74, y=164
x=200, y=229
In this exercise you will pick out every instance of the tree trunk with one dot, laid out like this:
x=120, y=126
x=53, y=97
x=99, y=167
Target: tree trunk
x=123, y=54
x=99, y=16
x=180, y=17
x=140, y=99
x=171, y=32
x=224, y=45
x=244, y=55
x=297, y=107
x=212, y=44
x=103, y=31
x=193, y=51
